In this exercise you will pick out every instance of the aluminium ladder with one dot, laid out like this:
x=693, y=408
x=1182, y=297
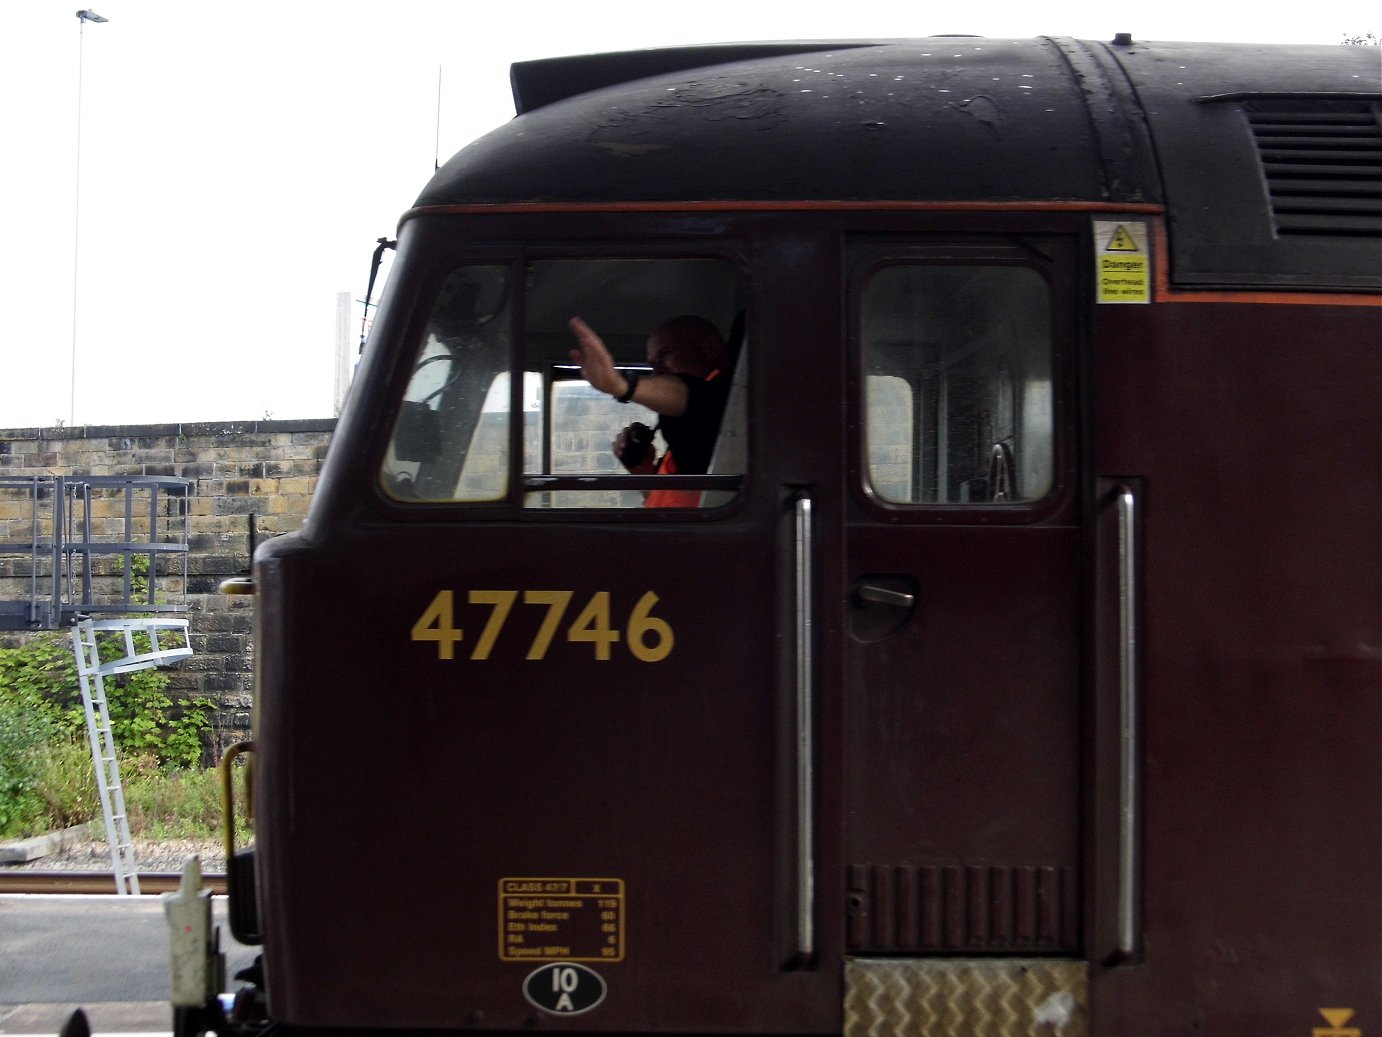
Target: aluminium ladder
x=93, y=672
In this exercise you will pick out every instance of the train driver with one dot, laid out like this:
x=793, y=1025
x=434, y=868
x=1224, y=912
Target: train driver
x=687, y=389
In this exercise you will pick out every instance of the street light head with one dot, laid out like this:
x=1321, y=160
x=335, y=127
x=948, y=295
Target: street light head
x=91, y=16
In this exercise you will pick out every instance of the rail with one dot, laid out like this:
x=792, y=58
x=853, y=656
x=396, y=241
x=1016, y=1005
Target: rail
x=96, y=882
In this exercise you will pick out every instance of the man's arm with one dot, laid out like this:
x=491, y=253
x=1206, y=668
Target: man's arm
x=663, y=393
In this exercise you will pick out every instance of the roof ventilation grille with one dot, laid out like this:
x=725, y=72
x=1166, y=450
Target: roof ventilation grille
x=1322, y=161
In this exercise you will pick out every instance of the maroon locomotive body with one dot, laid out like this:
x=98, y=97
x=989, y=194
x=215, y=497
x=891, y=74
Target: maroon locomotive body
x=1012, y=668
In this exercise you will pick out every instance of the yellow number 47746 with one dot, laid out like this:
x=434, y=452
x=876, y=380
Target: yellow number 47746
x=647, y=637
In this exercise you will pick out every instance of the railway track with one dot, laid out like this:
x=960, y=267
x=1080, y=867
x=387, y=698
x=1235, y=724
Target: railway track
x=96, y=882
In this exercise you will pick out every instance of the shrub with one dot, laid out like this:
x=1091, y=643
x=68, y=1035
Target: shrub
x=23, y=737
x=67, y=782
x=42, y=676
x=46, y=776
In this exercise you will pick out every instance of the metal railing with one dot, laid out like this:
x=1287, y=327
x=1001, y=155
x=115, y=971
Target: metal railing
x=82, y=545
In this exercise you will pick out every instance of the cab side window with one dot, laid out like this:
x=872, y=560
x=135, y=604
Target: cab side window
x=497, y=413
x=957, y=384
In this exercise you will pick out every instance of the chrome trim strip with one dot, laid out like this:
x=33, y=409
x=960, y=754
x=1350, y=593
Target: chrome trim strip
x=806, y=738
x=1128, y=733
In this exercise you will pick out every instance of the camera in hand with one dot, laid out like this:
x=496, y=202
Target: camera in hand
x=638, y=443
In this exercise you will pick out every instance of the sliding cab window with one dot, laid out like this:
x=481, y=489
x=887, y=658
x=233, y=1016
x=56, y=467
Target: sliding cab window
x=498, y=412
x=958, y=384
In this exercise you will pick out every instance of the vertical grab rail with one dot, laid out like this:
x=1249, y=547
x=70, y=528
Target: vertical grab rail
x=805, y=733
x=1127, y=708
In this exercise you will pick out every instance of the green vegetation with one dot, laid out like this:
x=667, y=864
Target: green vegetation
x=24, y=747
x=46, y=775
x=179, y=804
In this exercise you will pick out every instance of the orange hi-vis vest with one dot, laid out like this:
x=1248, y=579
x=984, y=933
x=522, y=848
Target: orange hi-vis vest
x=668, y=466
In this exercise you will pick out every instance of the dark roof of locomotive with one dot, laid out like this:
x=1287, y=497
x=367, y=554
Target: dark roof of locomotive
x=962, y=119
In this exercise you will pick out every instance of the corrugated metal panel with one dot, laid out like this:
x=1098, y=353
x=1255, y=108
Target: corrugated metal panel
x=1322, y=161
x=971, y=908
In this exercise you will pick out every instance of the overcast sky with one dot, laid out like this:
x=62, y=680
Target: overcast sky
x=238, y=162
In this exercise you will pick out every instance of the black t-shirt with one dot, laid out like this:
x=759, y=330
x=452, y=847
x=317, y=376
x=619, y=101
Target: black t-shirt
x=691, y=437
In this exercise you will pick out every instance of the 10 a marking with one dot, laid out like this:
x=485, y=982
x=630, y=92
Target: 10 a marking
x=647, y=637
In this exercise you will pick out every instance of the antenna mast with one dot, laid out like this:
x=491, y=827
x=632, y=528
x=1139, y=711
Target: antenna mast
x=436, y=143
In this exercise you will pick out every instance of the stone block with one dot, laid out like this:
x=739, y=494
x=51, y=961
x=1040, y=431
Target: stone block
x=202, y=661
x=214, y=623
x=241, y=505
x=216, y=565
x=289, y=506
x=202, y=542
x=225, y=643
x=219, y=525
x=15, y=509
x=296, y=487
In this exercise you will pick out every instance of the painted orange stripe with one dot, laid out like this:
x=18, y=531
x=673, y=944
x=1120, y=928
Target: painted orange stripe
x=1256, y=296
x=1259, y=298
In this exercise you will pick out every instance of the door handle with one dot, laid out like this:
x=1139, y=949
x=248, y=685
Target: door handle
x=882, y=605
x=885, y=596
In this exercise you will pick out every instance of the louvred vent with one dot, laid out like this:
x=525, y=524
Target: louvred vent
x=1322, y=160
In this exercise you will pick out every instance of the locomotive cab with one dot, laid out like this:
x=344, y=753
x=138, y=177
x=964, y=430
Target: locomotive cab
x=970, y=683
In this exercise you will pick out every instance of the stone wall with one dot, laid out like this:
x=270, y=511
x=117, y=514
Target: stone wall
x=259, y=472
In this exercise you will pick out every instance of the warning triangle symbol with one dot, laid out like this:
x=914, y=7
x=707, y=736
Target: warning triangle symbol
x=1121, y=241
x=1337, y=1016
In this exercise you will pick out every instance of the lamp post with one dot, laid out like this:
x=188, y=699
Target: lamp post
x=83, y=17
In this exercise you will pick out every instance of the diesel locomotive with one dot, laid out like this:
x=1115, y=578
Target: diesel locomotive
x=1013, y=665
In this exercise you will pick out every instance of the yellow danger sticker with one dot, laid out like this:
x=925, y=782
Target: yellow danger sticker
x=1122, y=261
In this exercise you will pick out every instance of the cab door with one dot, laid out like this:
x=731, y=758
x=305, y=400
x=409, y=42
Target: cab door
x=579, y=697
x=962, y=605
